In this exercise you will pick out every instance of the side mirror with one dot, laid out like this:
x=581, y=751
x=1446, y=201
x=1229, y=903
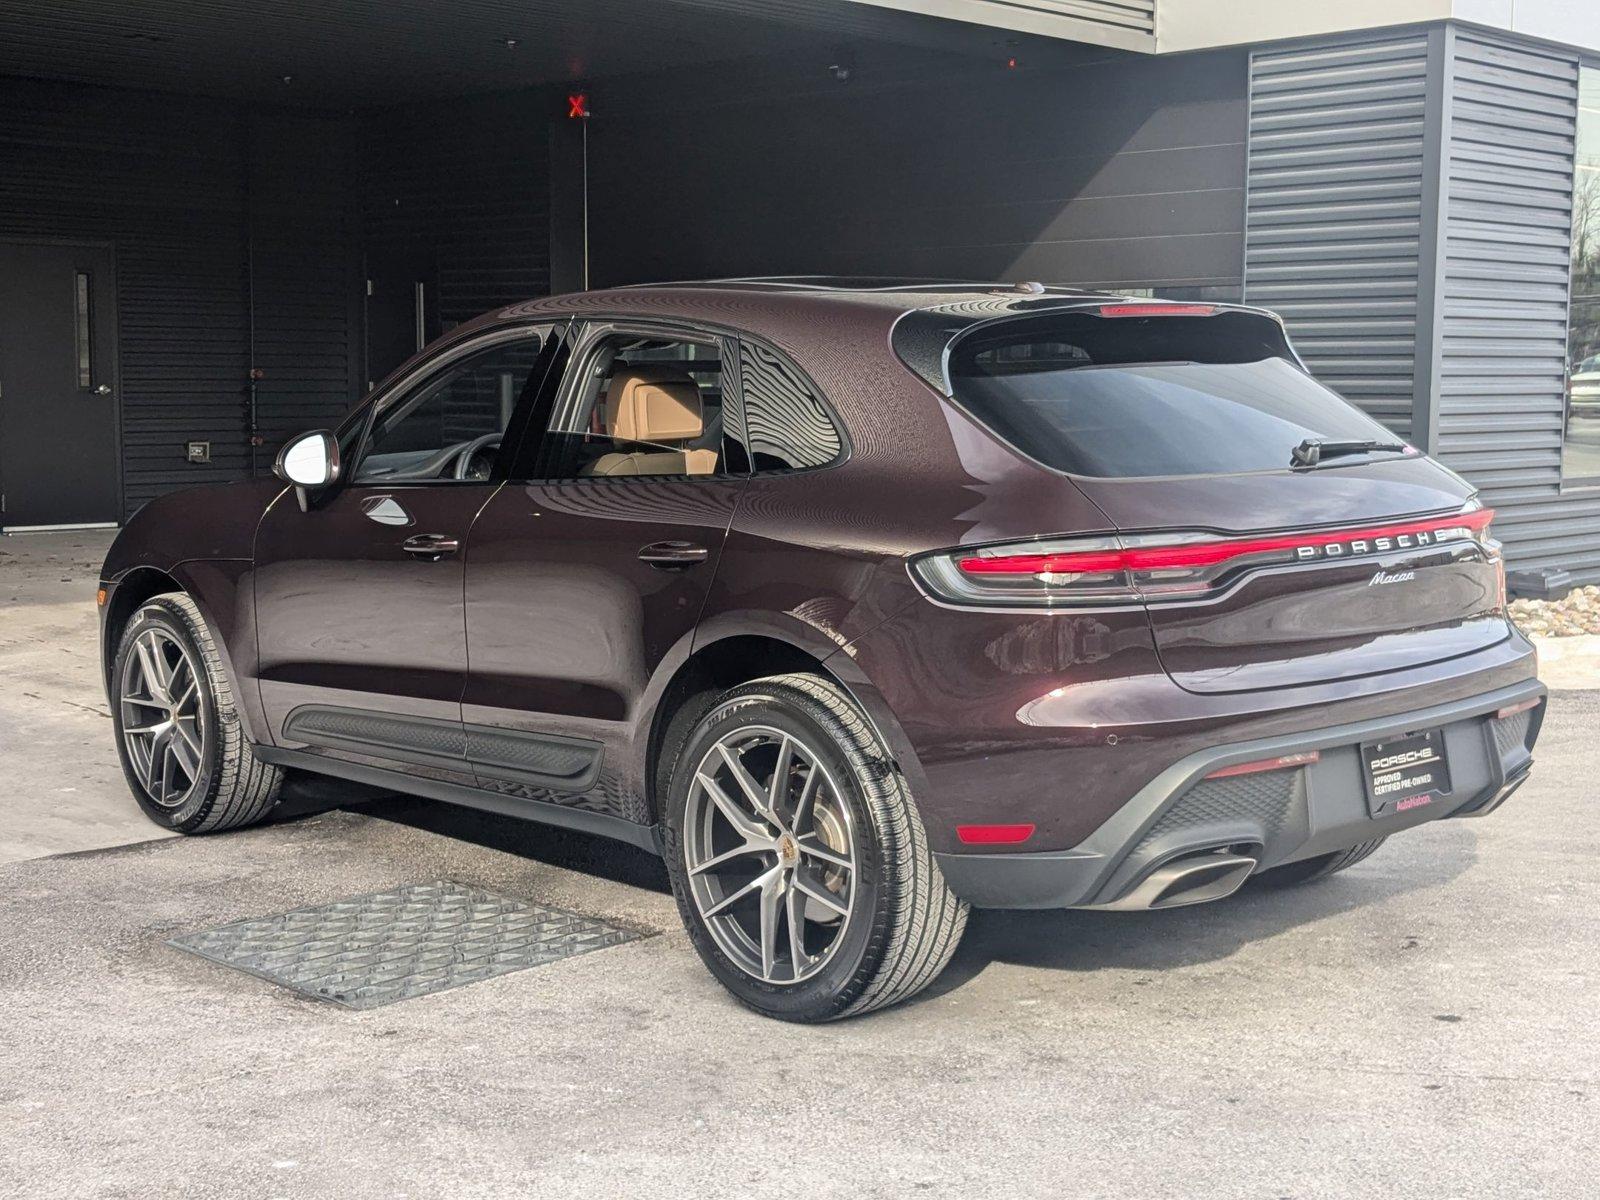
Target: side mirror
x=309, y=461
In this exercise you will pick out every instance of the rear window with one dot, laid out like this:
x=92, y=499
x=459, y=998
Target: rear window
x=1116, y=397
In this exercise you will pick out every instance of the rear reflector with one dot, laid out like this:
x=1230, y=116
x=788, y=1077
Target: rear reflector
x=1281, y=763
x=1156, y=310
x=1512, y=710
x=994, y=835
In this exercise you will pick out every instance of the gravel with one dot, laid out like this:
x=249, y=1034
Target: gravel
x=1576, y=614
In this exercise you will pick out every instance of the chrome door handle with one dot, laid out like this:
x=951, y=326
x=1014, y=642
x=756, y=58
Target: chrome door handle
x=673, y=556
x=430, y=547
x=103, y=390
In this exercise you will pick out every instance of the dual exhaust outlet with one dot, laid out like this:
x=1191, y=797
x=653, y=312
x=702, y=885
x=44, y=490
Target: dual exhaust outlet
x=1192, y=879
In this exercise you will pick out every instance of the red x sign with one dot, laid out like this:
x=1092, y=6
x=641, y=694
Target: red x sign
x=577, y=106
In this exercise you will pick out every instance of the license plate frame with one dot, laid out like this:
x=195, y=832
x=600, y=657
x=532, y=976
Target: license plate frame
x=1405, y=772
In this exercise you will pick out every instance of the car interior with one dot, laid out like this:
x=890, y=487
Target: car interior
x=648, y=407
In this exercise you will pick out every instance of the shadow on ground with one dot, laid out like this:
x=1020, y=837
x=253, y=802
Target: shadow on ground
x=1059, y=940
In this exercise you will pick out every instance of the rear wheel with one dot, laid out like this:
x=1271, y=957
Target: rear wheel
x=797, y=857
x=178, y=733
x=1311, y=869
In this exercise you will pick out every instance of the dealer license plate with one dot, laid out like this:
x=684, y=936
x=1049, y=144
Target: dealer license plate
x=1405, y=772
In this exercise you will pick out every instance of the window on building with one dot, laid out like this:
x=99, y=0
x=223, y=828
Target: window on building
x=1580, y=443
x=785, y=426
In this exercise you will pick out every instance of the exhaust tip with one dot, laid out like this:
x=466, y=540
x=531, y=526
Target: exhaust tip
x=1195, y=879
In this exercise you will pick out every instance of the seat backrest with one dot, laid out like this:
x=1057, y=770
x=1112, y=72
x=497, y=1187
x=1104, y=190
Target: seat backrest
x=656, y=405
x=653, y=404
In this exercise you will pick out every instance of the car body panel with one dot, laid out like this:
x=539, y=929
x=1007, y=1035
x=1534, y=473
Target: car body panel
x=567, y=626
x=547, y=625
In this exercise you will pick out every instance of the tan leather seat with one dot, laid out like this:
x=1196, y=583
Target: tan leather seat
x=653, y=405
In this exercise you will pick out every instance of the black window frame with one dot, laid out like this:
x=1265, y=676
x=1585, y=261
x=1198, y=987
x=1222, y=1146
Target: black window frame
x=428, y=373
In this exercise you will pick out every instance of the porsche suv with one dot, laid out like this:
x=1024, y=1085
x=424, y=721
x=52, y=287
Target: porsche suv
x=861, y=604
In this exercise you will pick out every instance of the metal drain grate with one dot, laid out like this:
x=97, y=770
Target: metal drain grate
x=388, y=946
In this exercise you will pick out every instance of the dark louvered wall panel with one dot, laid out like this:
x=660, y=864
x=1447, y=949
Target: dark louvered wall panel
x=164, y=180
x=177, y=185
x=469, y=180
x=1503, y=304
x=303, y=237
x=1119, y=171
x=1334, y=210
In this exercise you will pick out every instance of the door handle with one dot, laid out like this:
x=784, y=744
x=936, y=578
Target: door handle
x=430, y=547
x=673, y=556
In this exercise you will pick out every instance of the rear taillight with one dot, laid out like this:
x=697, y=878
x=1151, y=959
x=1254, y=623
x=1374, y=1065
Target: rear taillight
x=1156, y=567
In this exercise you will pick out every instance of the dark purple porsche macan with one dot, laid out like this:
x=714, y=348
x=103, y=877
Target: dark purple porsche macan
x=860, y=604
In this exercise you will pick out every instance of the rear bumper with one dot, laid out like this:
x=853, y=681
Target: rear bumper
x=1274, y=817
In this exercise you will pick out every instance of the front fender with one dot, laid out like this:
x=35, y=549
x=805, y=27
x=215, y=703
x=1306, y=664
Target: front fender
x=200, y=541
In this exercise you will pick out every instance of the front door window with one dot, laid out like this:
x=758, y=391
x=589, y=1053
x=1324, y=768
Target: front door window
x=449, y=427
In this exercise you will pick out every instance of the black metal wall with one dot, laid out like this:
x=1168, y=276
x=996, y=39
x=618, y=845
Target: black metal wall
x=200, y=200
x=466, y=182
x=1110, y=169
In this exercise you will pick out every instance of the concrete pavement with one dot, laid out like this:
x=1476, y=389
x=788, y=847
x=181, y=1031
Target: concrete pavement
x=1422, y=1026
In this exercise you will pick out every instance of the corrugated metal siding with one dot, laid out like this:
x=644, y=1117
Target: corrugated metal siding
x=168, y=182
x=1121, y=172
x=1334, y=210
x=304, y=277
x=470, y=180
x=164, y=181
x=1503, y=305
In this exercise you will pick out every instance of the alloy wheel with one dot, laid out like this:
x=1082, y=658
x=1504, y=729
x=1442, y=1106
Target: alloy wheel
x=163, y=718
x=769, y=848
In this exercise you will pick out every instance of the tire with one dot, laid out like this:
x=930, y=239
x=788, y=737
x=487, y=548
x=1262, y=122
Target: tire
x=1309, y=870
x=882, y=929
x=205, y=778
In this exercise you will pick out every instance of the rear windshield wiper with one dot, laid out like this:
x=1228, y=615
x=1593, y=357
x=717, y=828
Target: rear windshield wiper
x=1313, y=450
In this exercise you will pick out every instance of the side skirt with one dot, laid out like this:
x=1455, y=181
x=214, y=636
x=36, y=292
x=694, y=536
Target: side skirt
x=646, y=837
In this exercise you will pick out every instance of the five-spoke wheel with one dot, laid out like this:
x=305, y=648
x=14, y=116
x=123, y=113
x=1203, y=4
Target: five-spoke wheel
x=163, y=720
x=178, y=732
x=770, y=853
x=797, y=857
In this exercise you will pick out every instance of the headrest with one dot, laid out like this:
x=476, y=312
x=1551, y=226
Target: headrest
x=645, y=404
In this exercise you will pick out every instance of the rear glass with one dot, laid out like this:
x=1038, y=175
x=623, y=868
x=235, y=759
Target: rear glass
x=1115, y=397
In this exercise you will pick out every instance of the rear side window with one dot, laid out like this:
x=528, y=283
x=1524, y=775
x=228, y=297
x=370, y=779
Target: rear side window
x=784, y=425
x=1120, y=397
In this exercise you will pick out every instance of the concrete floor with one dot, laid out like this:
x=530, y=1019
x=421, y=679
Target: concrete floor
x=1422, y=1026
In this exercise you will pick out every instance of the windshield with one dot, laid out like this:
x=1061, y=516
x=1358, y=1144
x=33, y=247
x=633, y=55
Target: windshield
x=1127, y=397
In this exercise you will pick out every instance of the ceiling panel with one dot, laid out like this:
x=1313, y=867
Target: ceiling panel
x=365, y=52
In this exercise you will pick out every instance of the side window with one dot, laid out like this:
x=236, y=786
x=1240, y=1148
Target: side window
x=784, y=425
x=644, y=406
x=449, y=426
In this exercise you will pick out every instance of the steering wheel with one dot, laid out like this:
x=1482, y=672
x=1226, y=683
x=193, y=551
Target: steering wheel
x=468, y=453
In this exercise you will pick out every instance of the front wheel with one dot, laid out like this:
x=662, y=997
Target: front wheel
x=799, y=863
x=178, y=733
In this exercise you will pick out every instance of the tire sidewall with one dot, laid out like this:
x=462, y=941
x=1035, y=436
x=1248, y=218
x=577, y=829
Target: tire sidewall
x=831, y=990
x=170, y=619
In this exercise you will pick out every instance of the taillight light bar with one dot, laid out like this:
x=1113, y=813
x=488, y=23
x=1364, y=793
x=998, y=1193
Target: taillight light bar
x=1166, y=566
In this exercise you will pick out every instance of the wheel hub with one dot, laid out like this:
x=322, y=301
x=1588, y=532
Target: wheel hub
x=788, y=850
